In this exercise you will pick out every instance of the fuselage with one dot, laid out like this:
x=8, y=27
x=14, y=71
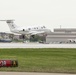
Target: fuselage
x=30, y=30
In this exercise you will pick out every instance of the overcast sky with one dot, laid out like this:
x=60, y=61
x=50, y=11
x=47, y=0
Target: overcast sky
x=51, y=13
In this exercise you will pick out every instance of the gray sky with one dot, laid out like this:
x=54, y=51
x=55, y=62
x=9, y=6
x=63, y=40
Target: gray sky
x=51, y=13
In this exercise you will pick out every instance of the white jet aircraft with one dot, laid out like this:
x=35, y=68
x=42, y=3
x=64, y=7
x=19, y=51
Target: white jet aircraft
x=28, y=30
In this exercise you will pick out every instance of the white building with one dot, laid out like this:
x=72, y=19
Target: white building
x=61, y=35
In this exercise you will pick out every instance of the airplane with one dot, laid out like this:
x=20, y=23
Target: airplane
x=72, y=40
x=28, y=30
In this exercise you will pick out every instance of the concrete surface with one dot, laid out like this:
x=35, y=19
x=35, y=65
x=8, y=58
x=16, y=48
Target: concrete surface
x=31, y=73
x=35, y=45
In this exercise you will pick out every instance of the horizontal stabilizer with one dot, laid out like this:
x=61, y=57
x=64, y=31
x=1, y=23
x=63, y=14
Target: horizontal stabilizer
x=7, y=20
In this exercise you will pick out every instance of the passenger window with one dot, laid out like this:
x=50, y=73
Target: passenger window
x=29, y=28
x=34, y=28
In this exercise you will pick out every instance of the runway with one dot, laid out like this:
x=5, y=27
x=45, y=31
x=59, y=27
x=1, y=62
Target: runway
x=35, y=45
x=28, y=73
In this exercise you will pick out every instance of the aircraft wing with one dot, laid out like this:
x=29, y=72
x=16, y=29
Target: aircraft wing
x=36, y=32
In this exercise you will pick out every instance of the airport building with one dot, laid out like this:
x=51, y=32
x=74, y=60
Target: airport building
x=62, y=36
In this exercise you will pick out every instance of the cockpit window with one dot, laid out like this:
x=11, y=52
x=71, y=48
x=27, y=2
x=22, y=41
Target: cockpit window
x=44, y=27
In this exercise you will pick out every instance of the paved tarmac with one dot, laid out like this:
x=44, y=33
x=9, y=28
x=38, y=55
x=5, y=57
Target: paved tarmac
x=35, y=45
x=31, y=73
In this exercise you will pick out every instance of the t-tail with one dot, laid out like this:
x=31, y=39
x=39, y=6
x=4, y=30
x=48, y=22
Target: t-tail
x=11, y=24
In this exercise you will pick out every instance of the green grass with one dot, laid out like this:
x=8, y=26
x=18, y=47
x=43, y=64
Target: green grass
x=41, y=60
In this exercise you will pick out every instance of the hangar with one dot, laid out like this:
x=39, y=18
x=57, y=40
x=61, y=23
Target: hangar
x=62, y=35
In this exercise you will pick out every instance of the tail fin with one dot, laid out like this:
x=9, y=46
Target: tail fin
x=11, y=24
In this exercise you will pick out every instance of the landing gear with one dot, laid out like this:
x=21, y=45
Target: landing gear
x=33, y=36
x=23, y=37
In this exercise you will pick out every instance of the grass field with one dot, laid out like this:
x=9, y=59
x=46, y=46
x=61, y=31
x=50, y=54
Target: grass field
x=41, y=60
